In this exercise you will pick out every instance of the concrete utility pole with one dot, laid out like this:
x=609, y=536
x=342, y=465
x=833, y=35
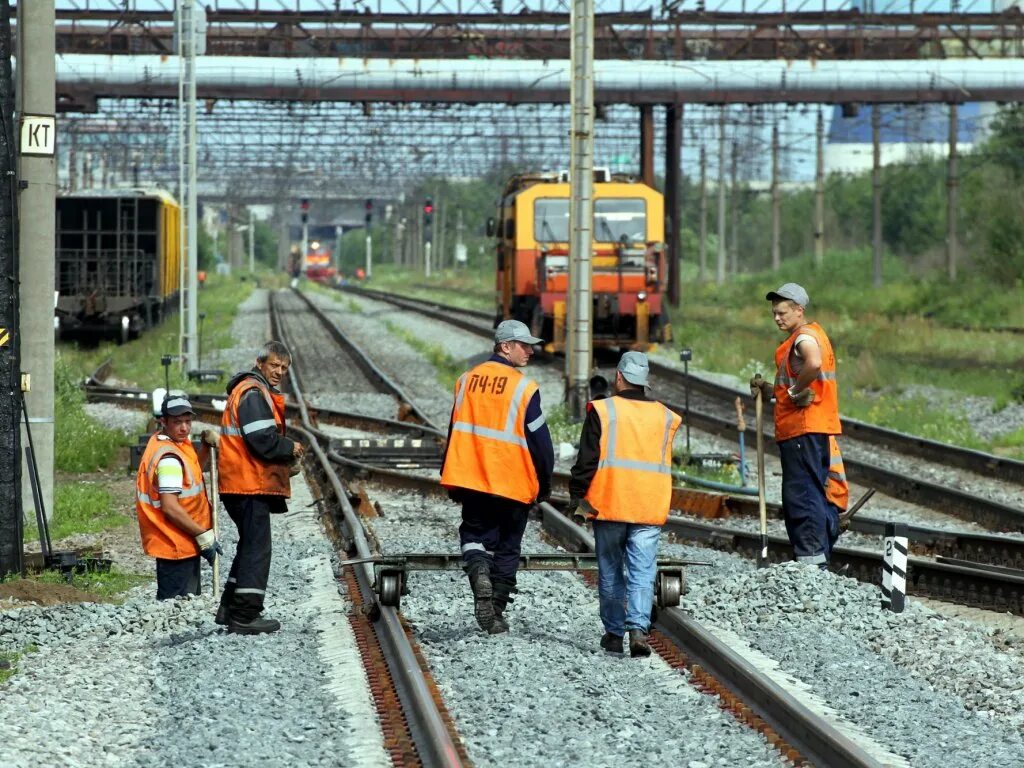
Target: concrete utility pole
x=252, y=241
x=305, y=247
x=369, y=253
x=702, y=247
x=819, y=192
x=734, y=212
x=720, y=264
x=952, y=189
x=11, y=523
x=673, y=163
x=442, y=232
x=581, y=208
x=460, y=246
x=876, y=196
x=37, y=175
x=283, y=238
x=776, y=202
x=187, y=22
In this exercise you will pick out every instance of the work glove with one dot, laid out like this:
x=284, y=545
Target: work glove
x=764, y=386
x=211, y=437
x=209, y=547
x=801, y=399
x=574, y=513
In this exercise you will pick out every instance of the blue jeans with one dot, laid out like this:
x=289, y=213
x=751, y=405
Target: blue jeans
x=626, y=598
x=812, y=521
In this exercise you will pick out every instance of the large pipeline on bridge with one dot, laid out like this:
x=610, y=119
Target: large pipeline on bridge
x=512, y=81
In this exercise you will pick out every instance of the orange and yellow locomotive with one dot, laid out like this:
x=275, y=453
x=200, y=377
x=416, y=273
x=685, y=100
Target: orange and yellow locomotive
x=628, y=259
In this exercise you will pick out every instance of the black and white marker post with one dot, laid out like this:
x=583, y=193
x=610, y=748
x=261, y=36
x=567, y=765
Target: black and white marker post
x=894, y=568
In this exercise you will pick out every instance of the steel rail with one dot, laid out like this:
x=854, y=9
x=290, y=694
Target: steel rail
x=810, y=734
x=966, y=506
x=983, y=548
x=985, y=464
x=426, y=724
x=366, y=365
x=962, y=584
x=950, y=500
x=205, y=403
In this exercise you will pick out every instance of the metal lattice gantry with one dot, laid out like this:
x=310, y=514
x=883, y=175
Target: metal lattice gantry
x=669, y=29
x=276, y=150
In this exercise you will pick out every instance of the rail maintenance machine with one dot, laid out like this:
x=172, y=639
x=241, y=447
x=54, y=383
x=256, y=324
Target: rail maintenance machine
x=629, y=270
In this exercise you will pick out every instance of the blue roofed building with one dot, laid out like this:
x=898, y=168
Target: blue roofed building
x=907, y=131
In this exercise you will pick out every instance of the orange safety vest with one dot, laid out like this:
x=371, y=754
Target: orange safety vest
x=240, y=471
x=836, y=489
x=160, y=537
x=487, y=451
x=822, y=415
x=633, y=482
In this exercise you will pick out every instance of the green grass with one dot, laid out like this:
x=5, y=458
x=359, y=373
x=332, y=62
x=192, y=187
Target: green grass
x=81, y=444
x=80, y=507
x=11, y=659
x=463, y=288
x=448, y=368
x=138, y=362
x=561, y=425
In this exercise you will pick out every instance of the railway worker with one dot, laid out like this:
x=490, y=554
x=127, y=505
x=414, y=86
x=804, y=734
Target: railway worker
x=814, y=490
x=497, y=464
x=622, y=481
x=255, y=459
x=174, y=512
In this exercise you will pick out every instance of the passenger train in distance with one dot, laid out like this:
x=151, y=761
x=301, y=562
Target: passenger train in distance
x=629, y=269
x=118, y=260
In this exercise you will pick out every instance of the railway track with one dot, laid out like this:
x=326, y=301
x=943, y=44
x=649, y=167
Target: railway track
x=713, y=411
x=796, y=731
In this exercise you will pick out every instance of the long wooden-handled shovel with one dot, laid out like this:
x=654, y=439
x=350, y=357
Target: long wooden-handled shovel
x=762, y=557
x=213, y=504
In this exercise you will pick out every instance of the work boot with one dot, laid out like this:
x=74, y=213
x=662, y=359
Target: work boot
x=483, y=592
x=222, y=615
x=503, y=589
x=257, y=626
x=612, y=643
x=638, y=643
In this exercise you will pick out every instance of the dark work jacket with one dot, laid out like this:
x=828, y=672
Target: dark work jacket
x=589, y=455
x=267, y=444
x=539, y=442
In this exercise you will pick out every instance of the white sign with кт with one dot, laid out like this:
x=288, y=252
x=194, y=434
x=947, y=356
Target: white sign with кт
x=38, y=135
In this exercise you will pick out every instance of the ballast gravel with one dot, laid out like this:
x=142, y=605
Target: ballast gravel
x=150, y=683
x=545, y=694
x=936, y=690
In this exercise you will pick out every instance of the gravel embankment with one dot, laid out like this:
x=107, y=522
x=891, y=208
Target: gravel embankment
x=545, y=694
x=155, y=684
x=938, y=691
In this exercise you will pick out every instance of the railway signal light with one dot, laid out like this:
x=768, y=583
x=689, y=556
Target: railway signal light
x=304, y=207
x=369, y=211
x=428, y=210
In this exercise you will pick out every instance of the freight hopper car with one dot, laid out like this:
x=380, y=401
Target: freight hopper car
x=118, y=262
x=628, y=259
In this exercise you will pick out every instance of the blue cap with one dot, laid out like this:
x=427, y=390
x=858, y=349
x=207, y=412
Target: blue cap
x=634, y=368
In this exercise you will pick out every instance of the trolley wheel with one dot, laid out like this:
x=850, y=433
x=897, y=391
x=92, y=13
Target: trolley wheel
x=669, y=589
x=390, y=589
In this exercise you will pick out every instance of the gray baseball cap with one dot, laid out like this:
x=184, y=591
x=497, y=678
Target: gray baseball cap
x=634, y=368
x=514, y=330
x=791, y=291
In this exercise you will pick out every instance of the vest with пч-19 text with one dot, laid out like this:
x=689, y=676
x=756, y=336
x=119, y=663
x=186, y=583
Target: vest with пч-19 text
x=484, y=384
